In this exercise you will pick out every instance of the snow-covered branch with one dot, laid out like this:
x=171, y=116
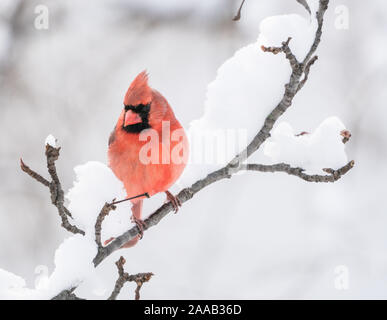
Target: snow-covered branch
x=236, y=164
x=299, y=73
x=291, y=88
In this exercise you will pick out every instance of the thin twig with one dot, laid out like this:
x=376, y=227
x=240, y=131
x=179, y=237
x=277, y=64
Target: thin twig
x=123, y=277
x=238, y=15
x=285, y=49
x=304, y=4
x=333, y=175
x=56, y=191
x=346, y=135
x=33, y=174
x=98, y=224
x=146, y=194
x=306, y=72
x=323, y=6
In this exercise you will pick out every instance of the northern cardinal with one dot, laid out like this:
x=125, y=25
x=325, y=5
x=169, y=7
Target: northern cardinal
x=146, y=112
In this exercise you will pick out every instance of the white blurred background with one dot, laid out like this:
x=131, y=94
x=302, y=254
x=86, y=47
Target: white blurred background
x=254, y=236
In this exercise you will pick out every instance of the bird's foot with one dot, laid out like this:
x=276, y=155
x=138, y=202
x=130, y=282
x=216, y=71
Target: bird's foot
x=140, y=225
x=174, y=200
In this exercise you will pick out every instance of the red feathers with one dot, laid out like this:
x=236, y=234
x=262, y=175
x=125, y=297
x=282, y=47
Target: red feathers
x=140, y=130
x=139, y=92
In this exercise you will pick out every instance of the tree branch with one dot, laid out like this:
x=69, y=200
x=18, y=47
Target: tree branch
x=98, y=224
x=56, y=191
x=306, y=72
x=333, y=176
x=123, y=277
x=33, y=174
x=288, y=53
x=67, y=295
x=291, y=89
x=238, y=15
x=184, y=195
x=323, y=6
x=346, y=135
x=298, y=77
x=304, y=4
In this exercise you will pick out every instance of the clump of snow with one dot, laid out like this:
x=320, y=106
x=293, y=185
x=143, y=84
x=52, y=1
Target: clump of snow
x=276, y=29
x=247, y=88
x=73, y=262
x=250, y=84
x=314, y=151
x=9, y=282
x=42, y=280
x=96, y=184
x=51, y=141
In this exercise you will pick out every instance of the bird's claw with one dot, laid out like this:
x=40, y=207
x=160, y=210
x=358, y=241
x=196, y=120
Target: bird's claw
x=176, y=203
x=140, y=225
x=106, y=242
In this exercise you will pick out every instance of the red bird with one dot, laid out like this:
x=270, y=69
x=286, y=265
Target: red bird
x=145, y=114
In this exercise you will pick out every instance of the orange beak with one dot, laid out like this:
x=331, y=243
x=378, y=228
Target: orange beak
x=131, y=118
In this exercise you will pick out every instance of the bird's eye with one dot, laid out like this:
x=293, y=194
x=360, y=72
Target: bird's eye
x=127, y=108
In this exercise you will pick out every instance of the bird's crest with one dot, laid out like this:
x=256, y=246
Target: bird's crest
x=139, y=91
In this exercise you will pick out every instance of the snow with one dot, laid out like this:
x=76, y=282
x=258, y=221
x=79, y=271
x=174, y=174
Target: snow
x=73, y=263
x=276, y=29
x=51, y=140
x=10, y=281
x=42, y=281
x=314, y=151
x=13, y=287
x=250, y=84
x=96, y=184
x=246, y=89
x=249, y=77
